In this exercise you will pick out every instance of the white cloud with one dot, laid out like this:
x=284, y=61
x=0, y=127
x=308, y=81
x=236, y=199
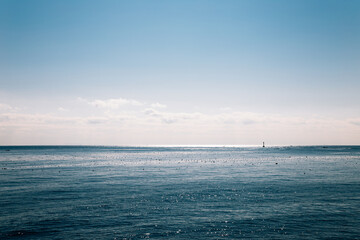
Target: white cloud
x=61, y=109
x=225, y=109
x=249, y=121
x=22, y=119
x=5, y=107
x=97, y=120
x=158, y=105
x=168, y=117
x=151, y=125
x=152, y=112
x=117, y=103
x=112, y=103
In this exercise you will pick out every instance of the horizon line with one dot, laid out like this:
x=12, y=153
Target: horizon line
x=177, y=145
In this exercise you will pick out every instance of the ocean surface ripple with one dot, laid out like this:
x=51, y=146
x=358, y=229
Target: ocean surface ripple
x=100, y=192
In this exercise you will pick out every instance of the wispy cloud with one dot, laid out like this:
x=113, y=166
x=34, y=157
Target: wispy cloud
x=152, y=112
x=225, y=109
x=23, y=119
x=121, y=103
x=97, y=120
x=112, y=103
x=61, y=109
x=170, y=117
x=355, y=121
x=5, y=107
x=157, y=124
x=158, y=105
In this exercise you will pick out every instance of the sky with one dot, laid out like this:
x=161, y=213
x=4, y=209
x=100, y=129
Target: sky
x=189, y=72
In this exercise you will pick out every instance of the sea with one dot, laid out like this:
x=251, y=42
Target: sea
x=179, y=192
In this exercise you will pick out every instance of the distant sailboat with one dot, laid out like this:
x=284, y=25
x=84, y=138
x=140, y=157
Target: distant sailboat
x=263, y=144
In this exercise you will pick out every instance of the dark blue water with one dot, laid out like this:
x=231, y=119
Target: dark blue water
x=81, y=192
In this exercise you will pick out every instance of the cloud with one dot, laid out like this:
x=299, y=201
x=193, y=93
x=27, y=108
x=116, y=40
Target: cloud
x=228, y=118
x=156, y=124
x=112, y=103
x=169, y=117
x=226, y=109
x=18, y=119
x=152, y=112
x=117, y=103
x=249, y=121
x=97, y=120
x=158, y=105
x=5, y=107
x=61, y=109
x=4, y=118
x=355, y=122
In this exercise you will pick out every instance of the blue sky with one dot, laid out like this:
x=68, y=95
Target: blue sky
x=202, y=72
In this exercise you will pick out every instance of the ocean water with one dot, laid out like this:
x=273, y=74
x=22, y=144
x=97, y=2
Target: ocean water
x=81, y=192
